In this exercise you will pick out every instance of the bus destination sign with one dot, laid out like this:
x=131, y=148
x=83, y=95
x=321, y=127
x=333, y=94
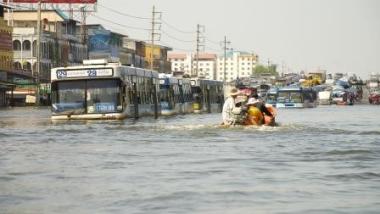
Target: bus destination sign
x=105, y=72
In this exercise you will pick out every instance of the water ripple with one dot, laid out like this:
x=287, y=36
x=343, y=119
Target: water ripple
x=357, y=176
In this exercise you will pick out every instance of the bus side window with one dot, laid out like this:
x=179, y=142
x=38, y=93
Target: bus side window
x=123, y=94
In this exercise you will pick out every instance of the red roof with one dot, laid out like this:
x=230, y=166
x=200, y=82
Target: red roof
x=207, y=56
x=172, y=55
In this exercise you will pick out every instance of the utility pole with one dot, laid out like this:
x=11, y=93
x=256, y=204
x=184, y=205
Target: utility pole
x=268, y=65
x=83, y=28
x=38, y=65
x=10, y=13
x=200, y=44
x=155, y=36
x=225, y=43
x=252, y=60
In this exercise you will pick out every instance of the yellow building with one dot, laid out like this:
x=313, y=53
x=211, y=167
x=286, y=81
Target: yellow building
x=160, y=58
x=6, y=57
x=6, y=52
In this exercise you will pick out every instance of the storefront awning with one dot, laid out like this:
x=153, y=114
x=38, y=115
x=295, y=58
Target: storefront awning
x=7, y=85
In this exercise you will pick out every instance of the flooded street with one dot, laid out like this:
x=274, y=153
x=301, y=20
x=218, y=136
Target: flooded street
x=321, y=160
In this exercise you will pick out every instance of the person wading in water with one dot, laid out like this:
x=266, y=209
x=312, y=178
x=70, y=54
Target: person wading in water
x=229, y=107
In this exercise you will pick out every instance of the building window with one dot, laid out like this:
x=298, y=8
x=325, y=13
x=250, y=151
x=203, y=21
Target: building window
x=26, y=45
x=17, y=45
x=27, y=66
x=17, y=65
x=35, y=66
x=35, y=48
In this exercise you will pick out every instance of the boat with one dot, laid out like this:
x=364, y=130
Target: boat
x=374, y=97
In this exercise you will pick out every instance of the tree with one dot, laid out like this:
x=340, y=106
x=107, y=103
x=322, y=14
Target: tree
x=260, y=69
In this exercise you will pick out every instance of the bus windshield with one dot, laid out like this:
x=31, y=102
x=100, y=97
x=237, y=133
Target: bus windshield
x=68, y=97
x=166, y=98
x=271, y=98
x=86, y=96
x=289, y=97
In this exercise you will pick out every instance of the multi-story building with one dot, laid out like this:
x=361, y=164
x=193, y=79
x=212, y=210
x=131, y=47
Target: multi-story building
x=103, y=43
x=180, y=63
x=106, y=44
x=205, y=66
x=61, y=44
x=160, y=57
x=137, y=58
x=186, y=64
x=238, y=65
x=6, y=57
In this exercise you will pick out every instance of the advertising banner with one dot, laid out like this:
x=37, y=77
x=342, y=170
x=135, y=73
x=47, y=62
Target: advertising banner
x=99, y=41
x=58, y=1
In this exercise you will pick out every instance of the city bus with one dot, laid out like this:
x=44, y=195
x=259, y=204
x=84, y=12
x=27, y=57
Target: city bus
x=296, y=97
x=271, y=96
x=175, y=95
x=169, y=95
x=186, y=96
x=99, y=89
x=207, y=95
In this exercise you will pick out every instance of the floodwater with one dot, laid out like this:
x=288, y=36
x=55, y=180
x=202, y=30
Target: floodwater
x=321, y=160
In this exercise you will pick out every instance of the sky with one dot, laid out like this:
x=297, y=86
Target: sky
x=334, y=35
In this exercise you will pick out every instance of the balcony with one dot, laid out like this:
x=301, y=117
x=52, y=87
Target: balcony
x=23, y=54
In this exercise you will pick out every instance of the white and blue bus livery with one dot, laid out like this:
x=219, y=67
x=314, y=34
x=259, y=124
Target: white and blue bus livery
x=175, y=95
x=296, y=97
x=207, y=95
x=101, y=90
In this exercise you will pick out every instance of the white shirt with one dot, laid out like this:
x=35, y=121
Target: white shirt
x=229, y=104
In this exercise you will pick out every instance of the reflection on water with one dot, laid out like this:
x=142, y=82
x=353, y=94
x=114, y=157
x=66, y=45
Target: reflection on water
x=322, y=160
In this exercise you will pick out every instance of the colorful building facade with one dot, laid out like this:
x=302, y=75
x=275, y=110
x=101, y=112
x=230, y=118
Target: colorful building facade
x=6, y=57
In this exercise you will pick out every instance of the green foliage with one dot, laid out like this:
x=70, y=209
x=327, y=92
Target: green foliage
x=260, y=69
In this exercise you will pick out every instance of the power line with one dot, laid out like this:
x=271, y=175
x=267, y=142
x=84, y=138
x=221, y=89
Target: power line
x=200, y=45
x=146, y=18
x=156, y=25
x=175, y=38
x=225, y=48
x=122, y=25
x=177, y=29
x=123, y=14
x=211, y=41
x=176, y=48
x=213, y=49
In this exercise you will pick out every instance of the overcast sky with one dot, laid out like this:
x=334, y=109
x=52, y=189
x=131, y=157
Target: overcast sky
x=336, y=35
